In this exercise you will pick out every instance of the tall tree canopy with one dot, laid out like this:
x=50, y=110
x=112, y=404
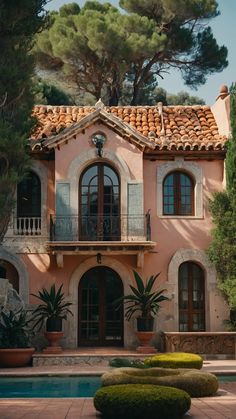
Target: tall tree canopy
x=19, y=23
x=101, y=48
x=222, y=251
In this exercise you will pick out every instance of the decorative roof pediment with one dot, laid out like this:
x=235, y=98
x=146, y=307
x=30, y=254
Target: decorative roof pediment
x=109, y=120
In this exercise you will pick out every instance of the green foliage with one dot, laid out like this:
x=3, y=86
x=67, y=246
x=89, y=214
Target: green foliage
x=125, y=362
x=175, y=360
x=231, y=146
x=15, y=329
x=144, y=300
x=150, y=95
x=137, y=401
x=183, y=98
x=196, y=383
x=222, y=251
x=53, y=305
x=49, y=94
x=19, y=22
x=106, y=52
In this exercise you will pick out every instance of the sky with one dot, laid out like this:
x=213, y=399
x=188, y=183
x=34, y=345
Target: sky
x=224, y=30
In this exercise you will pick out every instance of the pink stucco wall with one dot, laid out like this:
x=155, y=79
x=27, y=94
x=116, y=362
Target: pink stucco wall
x=127, y=151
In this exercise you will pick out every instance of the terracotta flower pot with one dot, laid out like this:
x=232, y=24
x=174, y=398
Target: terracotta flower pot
x=17, y=357
x=53, y=339
x=144, y=339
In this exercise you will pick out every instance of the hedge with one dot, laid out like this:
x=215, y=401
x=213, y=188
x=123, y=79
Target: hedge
x=138, y=401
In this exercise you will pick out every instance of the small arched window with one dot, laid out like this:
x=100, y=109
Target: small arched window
x=191, y=298
x=178, y=194
x=29, y=196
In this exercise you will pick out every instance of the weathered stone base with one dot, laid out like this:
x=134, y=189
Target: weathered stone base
x=83, y=360
x=213, y=345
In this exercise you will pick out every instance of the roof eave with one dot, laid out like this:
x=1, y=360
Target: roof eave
x=110, y=120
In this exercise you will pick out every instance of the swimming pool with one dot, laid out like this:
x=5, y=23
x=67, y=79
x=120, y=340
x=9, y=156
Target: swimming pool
x=59, y=387
x=226, y=378
x=30, y=387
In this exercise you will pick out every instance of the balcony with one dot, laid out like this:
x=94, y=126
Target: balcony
x=100, y=228
x=27, y=226
x=91, y=235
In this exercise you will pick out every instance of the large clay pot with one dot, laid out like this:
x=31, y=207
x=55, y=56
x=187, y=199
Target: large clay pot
x=17, y=357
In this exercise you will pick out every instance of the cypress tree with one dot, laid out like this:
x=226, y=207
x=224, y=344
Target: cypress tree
x=222, y=251
x=19, y=23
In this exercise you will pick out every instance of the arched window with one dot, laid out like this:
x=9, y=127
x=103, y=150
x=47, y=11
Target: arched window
x=29, y=205
x=99, y=203
x=191, y=298
x=178, y=194
x=8, y=271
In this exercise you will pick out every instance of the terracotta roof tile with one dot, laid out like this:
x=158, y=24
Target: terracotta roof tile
x=169, y=127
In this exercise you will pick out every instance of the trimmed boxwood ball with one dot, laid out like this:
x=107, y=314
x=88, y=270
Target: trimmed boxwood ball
x=138, y=401
x=175, y=360
x=196, y=383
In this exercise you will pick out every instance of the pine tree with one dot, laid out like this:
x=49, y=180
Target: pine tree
x=102, y=49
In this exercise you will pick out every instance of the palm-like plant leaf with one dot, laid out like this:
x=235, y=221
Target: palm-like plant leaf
x=53, y=305
x=143, y=300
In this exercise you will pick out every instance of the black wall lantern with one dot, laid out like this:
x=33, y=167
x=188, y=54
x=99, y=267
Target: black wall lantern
x=99, y=258
x=98, y=140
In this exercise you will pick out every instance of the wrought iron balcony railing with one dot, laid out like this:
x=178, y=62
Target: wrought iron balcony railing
x=100, y=227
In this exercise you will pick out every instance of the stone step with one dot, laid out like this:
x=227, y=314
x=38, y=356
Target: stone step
x=83, y=359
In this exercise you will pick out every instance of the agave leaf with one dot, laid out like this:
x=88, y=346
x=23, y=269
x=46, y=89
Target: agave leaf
x=139, y=282
x=151, y=281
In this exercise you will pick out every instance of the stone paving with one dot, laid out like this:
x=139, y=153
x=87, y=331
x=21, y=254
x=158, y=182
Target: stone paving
x=223, y=405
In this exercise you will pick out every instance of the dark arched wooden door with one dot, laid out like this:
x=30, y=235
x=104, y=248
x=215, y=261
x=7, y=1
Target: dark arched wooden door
x=191, y=298
x=100, y=322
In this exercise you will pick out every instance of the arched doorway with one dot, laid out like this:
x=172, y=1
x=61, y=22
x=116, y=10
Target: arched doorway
x=191, y=298
x=99, y=203
x=100, y=322
x=8, y=271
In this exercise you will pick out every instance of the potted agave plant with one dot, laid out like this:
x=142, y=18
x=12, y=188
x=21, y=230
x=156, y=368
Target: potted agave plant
x=52, y=310
x=144, y=303
x=15, y=338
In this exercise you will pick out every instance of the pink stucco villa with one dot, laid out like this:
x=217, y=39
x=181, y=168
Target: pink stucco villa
x=117, y=189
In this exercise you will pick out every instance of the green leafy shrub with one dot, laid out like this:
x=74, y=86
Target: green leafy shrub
x=15, y=329
x=137, y=401
x=196, y=383
x=175, y=360
x=125, y=362
x=52, y=306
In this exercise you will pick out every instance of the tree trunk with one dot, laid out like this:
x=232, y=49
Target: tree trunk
x=135, y=95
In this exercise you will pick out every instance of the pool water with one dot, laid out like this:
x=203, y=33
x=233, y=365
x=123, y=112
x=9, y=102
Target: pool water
x=69, y=386
x=226, y=378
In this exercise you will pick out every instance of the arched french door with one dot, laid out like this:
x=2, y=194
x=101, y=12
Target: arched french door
x=191, y=298
x=100, y=322
x=99, y=204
